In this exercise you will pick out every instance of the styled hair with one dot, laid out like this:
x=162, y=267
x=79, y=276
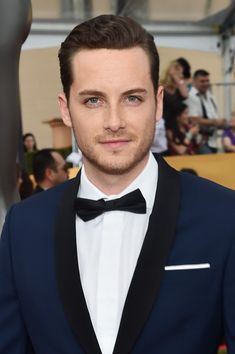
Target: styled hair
x=108, y=32
x=186, y=67
x=200, y=72
x=42, y=160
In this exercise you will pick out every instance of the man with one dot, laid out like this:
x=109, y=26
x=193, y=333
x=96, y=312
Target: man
x=143, y=260
x=203, y=111
x=49, y=169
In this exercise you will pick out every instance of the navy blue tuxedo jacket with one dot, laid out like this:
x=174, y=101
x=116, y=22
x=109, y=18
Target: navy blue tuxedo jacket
x=182, y=295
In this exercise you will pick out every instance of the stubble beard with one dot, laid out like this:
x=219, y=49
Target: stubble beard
x=117, y=163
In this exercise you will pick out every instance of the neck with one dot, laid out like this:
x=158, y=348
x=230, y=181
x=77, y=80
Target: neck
x=171, y=90
x=45, y=185
x=202, y=93
x=111, y=183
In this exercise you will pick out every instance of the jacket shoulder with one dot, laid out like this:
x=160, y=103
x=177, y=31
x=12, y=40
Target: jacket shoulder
x=44, y=204
x=204, y=192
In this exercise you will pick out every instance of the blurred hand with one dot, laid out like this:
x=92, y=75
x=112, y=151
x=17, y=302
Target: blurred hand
x=194, y=129
x=175, y=73
x=220, y=122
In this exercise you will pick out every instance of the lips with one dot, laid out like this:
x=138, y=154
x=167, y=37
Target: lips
x=115, y=143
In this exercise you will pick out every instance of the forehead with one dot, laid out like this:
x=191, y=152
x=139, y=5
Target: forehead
x=111, y=66
x=57, y=157
x=201, y=78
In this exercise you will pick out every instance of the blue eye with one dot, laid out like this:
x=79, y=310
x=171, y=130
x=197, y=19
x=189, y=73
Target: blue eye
x=92, y=100
x=133, y=98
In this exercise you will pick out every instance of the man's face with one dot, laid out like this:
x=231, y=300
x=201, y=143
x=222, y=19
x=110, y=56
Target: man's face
x=60, y=174
x=202, y=83
x=112, y=108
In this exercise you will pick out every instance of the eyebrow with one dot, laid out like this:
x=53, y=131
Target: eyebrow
x=100, y=93
x=135, y=90
x=91, y=92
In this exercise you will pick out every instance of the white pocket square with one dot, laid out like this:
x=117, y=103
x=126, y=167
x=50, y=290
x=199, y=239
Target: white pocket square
x=188, y=266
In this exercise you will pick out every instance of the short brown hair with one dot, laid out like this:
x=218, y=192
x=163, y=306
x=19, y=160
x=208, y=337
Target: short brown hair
x=109, y=32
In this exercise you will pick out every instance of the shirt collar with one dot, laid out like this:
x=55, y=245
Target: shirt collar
x=146, y=181
x=195, y=91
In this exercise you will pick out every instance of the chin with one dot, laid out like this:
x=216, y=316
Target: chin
x=116, y=165
x=115, y=169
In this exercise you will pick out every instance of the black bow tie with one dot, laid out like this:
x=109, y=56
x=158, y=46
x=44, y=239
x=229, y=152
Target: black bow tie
x=88, y=209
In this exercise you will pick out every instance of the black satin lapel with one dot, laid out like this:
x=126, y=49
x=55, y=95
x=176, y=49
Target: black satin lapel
x=68, y=278
x=149, y=271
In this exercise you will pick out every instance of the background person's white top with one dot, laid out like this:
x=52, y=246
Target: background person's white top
x=160, y=141
x=195, y=109
x=108, y=248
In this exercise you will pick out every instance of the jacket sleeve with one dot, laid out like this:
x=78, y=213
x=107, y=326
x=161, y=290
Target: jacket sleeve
x=13, y=334
x=229, y=301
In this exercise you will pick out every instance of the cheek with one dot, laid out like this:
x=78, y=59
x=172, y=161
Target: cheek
x=83, y=131
x=147, y=125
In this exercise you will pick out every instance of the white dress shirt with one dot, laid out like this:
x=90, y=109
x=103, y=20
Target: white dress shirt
x=108, y=248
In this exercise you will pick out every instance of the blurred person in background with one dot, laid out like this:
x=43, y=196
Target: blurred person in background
x=175, y=90
x=182, y=135
x=186, y=67
x=160, y=144
x=229, y=135
x=49, y=169
x=203, y=111
x=24, y=183
x=29, y=142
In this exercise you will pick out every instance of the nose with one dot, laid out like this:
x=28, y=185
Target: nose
x=114, y=119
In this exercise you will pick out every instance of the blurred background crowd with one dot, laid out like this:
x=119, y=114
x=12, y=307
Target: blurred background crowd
x=190, y=125
x=196, y=47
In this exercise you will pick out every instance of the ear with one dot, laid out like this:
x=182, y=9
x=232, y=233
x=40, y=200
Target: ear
x=159, y=99
x=64, y=109
x=49, y=174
